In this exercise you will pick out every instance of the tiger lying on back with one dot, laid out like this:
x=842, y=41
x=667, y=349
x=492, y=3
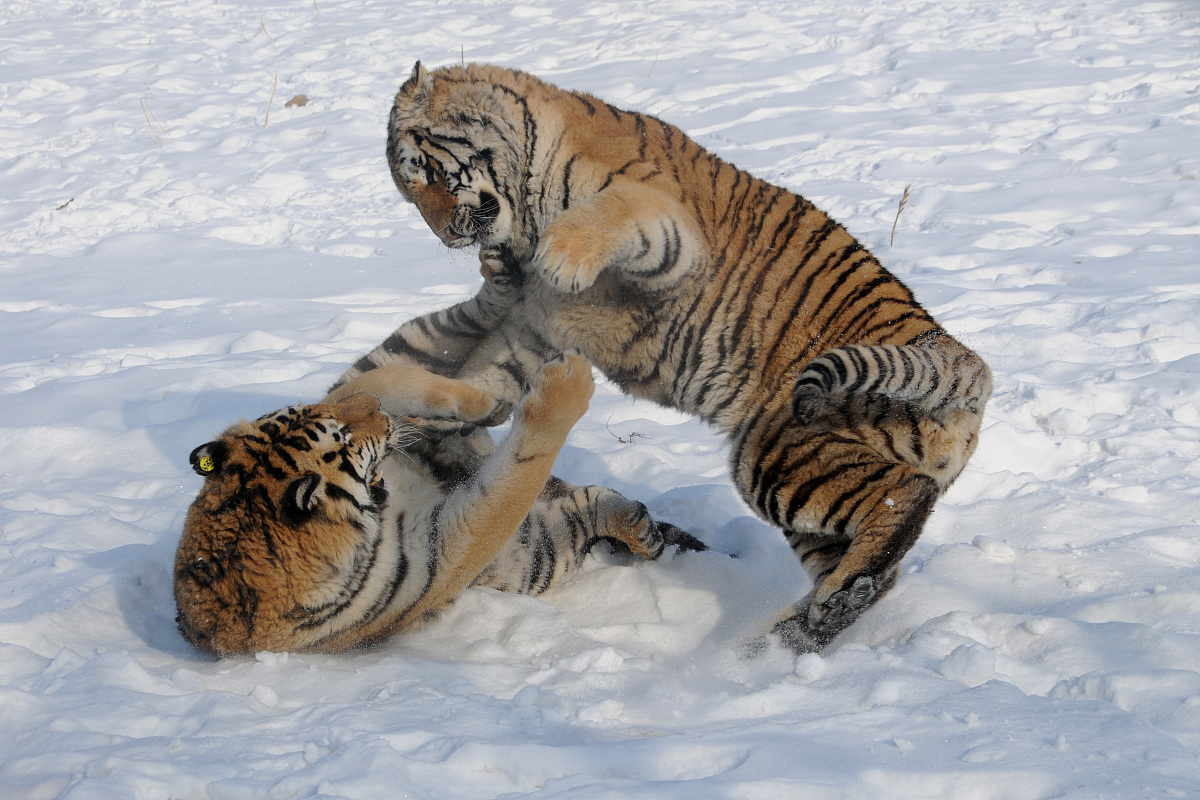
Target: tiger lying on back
x=333, y=525
x=689, y=282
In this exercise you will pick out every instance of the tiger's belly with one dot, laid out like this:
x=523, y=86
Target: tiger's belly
x=619, y=328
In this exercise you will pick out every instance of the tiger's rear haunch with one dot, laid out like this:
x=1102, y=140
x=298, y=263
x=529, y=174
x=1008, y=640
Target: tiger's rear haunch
x=689, y=282
x=333, y=525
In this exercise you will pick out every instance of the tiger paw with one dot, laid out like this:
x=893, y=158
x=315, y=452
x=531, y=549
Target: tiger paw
x=571, y=257
x=628, y=523
x=500, y=269
x=679, y=538
x=560, y=392
x=499, y=411
x=466, y=405
x=459, y=414
x=842, y=607
x=797, y=635
x=811, y=625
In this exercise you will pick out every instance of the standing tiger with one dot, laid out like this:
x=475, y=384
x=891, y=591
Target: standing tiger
x=333, y=525
x=689, y=282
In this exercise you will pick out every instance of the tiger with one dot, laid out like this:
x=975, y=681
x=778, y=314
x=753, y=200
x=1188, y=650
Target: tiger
x=847, y=409
x=335, y=525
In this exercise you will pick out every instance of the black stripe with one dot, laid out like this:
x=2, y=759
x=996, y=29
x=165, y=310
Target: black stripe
x=335, y=492
x=830, y=555
x=805, y=491
x=316, y=616
x=396, y=344
x=672, y=247
x=847, y=495
x=566, y=180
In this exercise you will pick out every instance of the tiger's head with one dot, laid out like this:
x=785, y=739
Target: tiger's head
x=457, y=150
x=279, y=537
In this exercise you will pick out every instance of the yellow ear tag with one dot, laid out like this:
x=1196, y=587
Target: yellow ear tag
x=206, y=464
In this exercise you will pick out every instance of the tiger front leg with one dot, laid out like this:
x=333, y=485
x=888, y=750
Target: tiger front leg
x=641, y=231
x=426, y=400
x=479, y=518
x=443, y=341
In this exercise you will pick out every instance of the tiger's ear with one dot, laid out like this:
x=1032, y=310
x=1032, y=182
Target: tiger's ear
x=419, y=84
x=301, y=498
x=208, y=459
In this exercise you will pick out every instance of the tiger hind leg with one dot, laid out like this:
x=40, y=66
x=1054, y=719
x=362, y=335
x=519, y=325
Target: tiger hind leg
x=851, y=493
x=851, y=573
x=564, y=525
x=629, y=523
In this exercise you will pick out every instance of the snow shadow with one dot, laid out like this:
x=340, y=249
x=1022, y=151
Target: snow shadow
x=142, y=580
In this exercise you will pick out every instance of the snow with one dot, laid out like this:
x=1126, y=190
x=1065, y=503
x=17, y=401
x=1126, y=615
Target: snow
x=179, y=249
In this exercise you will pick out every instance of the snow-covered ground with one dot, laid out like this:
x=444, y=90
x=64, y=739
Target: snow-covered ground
x=179, y=248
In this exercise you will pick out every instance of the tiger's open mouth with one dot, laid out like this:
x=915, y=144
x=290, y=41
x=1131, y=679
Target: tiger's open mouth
x=452, y=238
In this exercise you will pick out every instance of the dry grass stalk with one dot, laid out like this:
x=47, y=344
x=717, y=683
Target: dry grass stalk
x=262, y=24
x=903, y=203
x=319, y=22
x=267, y=119
x=152, y=120
x=634, y=435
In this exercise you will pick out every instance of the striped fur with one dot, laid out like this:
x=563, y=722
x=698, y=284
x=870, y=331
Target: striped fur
x=333, y=525
x=692, y=283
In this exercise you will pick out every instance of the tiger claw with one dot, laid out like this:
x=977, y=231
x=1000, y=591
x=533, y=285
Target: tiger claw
x=568, y=281
x=438, y=428
x=568, y=269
